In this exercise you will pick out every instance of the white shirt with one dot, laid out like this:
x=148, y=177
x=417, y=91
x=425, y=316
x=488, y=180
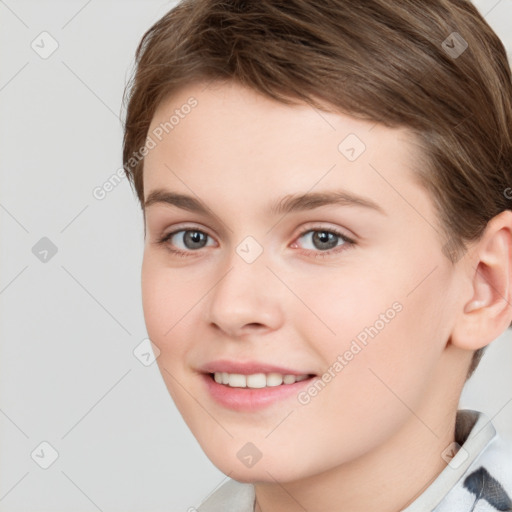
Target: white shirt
x=478, y=478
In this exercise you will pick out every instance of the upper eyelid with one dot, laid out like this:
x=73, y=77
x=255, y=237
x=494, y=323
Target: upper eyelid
x=302, y=231
x=174, y=231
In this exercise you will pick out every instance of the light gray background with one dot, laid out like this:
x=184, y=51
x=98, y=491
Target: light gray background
x=69, y=325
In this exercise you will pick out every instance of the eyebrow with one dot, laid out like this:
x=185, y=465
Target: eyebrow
x=287, y=204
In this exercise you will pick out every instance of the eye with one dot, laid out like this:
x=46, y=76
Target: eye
x=324, y=241
x=186, y=241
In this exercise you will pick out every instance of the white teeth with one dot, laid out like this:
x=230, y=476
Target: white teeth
x=237, y=380
x=274, y=379
x=289, y=379
x=256, y=380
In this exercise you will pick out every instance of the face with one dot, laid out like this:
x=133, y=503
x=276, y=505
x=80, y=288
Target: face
x=291, y=274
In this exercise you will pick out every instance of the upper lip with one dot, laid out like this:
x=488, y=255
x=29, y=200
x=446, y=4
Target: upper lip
x=247, y=368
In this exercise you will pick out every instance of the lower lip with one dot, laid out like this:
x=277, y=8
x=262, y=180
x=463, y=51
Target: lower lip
x=251, y=399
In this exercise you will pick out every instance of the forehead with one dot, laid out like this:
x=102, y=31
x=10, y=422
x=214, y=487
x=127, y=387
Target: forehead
x=243, y=111
x=235, y=138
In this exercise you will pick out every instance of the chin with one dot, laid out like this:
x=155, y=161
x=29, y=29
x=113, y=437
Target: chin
x=279, y=467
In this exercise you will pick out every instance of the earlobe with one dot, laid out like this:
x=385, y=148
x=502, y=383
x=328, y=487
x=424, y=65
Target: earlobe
x=488, y=311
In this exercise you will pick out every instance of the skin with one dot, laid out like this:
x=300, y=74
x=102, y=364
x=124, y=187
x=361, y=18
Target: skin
x=390, y=413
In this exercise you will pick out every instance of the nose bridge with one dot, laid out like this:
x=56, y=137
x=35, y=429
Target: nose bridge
x=246, y=293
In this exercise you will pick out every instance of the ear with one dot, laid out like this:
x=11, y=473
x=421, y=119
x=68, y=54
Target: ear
x=487, y=311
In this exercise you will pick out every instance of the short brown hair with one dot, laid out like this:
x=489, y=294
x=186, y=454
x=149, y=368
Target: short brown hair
x=434, y=67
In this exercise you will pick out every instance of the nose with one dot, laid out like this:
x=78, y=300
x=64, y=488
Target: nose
x=246, y=299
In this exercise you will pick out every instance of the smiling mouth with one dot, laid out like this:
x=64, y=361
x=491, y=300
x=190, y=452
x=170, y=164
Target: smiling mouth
x=257, y=380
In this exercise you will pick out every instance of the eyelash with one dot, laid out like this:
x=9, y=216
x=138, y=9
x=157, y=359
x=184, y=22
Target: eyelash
x=348, y=242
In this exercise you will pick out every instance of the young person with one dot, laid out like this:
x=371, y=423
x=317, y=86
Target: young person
x=327, y=207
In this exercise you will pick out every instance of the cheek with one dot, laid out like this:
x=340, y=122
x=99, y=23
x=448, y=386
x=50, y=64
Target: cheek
x=168, y=299
x=376, y=338
x=166, y=291
x=158, y=311
x=168, y=313
x=338, y=306
x=398, y=342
